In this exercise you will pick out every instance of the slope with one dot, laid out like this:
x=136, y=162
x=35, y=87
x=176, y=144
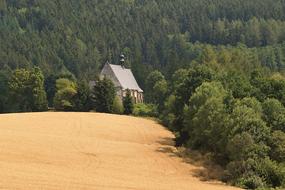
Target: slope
x=91, y=151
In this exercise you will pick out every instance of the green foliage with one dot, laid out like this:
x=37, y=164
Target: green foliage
x=39, y=95
x=251, y=103
x=240, y=146
x=274, y=114
x=276, y=89
x=103, y=96
x=50, y=88
x=234, y=119
x=238, y=84
x=271, y=172
x=145, y=110
x=159, y=90
x=66, y=91
x=4, y=89
x=251, y=182
x=128, y=103
x=256, y=173
x=206, y=118
x=248, y=119
x=194, y=79
x=64, y=83
x=53, y=35
x=168, y=116
x=178, y=78
x=156, y=87
x=269, y=87
x=239, y=43
x=26, y=88
x=83, y=97
x=277, y=144
x=118, y=107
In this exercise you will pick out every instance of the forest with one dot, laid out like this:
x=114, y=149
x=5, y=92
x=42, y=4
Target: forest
x=78, y=37
x=212, y=71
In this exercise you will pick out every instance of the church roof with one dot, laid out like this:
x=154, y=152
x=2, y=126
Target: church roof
x=125, y=77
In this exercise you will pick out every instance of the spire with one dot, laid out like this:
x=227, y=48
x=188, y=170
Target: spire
x=122, y=60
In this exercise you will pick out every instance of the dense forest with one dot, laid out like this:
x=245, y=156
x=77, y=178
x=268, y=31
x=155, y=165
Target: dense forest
x=78, y=37
x=236, y=120
x=212, y=71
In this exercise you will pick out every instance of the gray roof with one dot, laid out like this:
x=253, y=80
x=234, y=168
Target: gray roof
x=125, y=77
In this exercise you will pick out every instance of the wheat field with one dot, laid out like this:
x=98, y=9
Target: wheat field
x=74, y=151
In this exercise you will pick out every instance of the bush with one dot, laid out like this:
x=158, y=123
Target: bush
x=251, y=182
x=145, y=110
x=272, y=172
x=255, y=173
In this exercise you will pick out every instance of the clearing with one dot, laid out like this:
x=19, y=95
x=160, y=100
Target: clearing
x=75, y=151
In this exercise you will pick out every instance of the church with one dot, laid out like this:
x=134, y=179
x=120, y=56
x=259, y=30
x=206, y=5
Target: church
x=123, y=80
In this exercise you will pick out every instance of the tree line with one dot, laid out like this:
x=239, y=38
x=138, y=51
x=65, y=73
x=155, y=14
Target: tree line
x=238, y=118
x=25, y=90
x=219, y=81
x=79, y=36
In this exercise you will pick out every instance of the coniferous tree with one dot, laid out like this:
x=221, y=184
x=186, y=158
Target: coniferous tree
x=4, y=89
x=83, y=97
x=103, y=95
x=128, y=103
x=50, y=88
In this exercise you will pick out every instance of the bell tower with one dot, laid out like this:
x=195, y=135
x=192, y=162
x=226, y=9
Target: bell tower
x=122, y=60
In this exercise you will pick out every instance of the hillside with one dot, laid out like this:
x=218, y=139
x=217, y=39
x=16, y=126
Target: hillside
x=78, y=37
x=91, y=151
x=212, y=72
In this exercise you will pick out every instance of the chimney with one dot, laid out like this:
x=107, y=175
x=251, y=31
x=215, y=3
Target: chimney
x=122, y=60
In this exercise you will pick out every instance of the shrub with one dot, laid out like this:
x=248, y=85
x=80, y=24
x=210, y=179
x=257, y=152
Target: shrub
x=250, y=182
x=272, y=172
x=145, y=110
x=255, y=173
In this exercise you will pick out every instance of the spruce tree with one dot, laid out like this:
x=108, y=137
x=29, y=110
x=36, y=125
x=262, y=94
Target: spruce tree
x=128, y=103
x=103, y=96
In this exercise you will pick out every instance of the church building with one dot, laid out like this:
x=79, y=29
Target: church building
x=123, y=80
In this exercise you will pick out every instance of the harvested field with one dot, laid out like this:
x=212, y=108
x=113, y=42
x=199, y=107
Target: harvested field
x=74, y=151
